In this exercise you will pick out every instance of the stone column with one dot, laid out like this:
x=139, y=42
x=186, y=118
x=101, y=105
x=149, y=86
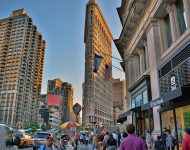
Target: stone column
x=133, y=70
x=146, y=54
x=141, y=54
x=137, y=67
x=171, y=9
x=154, y=48
x=186, y=4
x=128, y=76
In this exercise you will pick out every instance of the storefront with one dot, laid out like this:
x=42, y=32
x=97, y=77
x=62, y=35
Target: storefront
x=175, y=115
x=174, y=77
x=140, y=96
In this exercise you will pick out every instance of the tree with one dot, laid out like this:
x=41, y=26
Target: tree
x=34, y=126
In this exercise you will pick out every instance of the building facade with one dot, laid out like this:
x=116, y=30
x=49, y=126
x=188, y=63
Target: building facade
x=22, y=51
x=154, y=45
x=97, y=90
x=119, y=98
x=57, y=86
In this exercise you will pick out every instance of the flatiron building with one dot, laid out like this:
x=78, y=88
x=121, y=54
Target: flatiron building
x=97, y=89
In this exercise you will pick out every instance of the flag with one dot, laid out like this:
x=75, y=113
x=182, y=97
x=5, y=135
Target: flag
x=97, y=61
x=108, y=70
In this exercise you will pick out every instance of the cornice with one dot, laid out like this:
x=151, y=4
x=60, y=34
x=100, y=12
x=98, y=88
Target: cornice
x=130, y=24
x=149, y=24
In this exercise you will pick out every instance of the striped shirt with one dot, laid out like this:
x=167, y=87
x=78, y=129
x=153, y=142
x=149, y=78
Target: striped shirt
x=169, y=140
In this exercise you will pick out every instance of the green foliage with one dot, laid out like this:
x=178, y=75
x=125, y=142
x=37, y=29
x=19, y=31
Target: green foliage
x=46, y=127
x=34, y=126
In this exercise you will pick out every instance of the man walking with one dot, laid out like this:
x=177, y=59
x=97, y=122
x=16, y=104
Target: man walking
x=50, y=144
x=186, y=140
x=132, y=141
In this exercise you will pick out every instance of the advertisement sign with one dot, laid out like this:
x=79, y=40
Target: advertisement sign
x=173, y=83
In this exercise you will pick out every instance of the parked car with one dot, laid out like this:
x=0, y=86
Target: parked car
x=39, y=139
x=25, y=139
x=6, y=139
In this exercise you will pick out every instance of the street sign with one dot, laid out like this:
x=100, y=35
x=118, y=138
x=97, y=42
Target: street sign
x=77, y=108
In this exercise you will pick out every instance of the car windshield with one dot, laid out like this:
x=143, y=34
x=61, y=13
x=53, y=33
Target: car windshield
x=42, y=135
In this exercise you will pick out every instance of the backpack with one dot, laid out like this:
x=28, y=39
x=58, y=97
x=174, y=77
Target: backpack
x=174, y=141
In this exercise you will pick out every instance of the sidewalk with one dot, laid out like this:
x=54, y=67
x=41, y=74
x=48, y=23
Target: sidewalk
x=80, y=147
x=83, y=147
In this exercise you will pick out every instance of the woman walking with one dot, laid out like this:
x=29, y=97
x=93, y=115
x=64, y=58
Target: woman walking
x=111, y=143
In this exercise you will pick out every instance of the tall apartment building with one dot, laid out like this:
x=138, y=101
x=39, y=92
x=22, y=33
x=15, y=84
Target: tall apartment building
x=97, y=91
x=64, y=89
x=22, y=51
x=119, y=98
x=155, y=47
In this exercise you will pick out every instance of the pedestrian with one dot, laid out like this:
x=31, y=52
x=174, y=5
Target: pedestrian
x=50, y=144
x=81, y=139
x=94, y=143
x=105, y=140
x=149, y=140
x=163, y=137
x=115, y=136
x=169, y=140
x=111, y=143
x=118, y=137
x=186, y=140
x=158, y=144
x=76, y=139
x=132, y=142
x=124, y=135
x=100, y=142
x=87, y=139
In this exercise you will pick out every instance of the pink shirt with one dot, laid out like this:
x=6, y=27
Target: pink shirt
x=132, y=142
x=186, y=143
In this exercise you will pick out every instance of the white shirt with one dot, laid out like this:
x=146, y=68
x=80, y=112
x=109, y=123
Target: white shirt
x=115, y=136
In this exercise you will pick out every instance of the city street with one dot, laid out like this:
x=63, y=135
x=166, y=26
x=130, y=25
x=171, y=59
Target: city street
x=81, y=147
x=28, y=148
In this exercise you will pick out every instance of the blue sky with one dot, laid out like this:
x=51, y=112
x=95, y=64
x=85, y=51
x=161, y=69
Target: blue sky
x=61, y=23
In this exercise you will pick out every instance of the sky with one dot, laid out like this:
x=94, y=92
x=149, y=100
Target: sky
x=61, y=23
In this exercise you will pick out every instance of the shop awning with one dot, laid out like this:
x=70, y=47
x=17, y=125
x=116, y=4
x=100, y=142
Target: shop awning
x=173, y=95
x=145, y=106
x=123, y=116
x=136, y=109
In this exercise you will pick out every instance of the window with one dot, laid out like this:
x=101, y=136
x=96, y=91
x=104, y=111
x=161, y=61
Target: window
x=138, y=100
x=168, y=121
x=133, y=103
x=145, y=97
x=168, y=31
x=181, y=16
x=183, y=121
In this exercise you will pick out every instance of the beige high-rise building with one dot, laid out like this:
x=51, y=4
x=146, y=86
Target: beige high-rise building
x=21, y=65
x=97, y=91
x=119, y=98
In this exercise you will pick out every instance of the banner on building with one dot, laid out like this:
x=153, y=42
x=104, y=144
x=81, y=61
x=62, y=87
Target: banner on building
x=53, y=100
x=108, y=72
x=97, y=61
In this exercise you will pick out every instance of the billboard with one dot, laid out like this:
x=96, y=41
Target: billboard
x=53, y=100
